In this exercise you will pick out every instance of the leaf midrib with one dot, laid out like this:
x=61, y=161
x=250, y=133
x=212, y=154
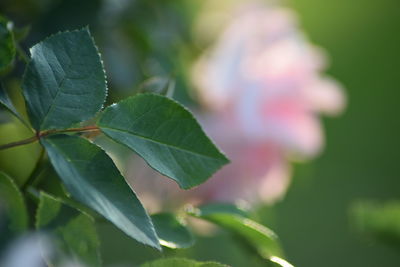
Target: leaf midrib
x=162, y=143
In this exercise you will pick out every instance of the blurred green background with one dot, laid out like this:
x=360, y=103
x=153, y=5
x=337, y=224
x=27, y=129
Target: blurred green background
x=360, y=160
x=361, y=37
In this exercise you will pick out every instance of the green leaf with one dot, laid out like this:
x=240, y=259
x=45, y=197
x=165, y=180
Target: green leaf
x=93, y=179
x=262, y=239
x=7, y=103
x=171, y=232
x=72, y=231
x=64, y=83
x=7, y=47
x=12, y=202
x=166, y=135
x=380, y=221
x=180, y=262
x=158, y=85
x=279, y=262
x=224, y=208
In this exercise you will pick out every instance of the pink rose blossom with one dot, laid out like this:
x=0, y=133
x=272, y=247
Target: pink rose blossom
x=263, y=87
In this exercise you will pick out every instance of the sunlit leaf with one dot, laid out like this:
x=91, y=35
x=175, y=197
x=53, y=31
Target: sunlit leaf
x=180, y=262
x=64, y=83
x=171, y=232
x=93, y=179
x=262, y=239
x=166, y=135
x=72, y=231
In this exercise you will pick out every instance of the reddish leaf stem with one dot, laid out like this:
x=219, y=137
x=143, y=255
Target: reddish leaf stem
x=46, y=133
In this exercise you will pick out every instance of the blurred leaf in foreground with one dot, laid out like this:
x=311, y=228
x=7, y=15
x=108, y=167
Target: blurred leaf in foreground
x=232, y=218
x=73, y=231
x=179, y=262
x=171, y=232
x=378, y=220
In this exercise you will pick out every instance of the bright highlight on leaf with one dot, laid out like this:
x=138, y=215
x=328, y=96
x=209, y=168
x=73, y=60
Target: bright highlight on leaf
x=64, y=83
x=180, y=262
x=93, y=179
x=171, y=232
x=71, y=230
x=166, y=135
x=262, y=239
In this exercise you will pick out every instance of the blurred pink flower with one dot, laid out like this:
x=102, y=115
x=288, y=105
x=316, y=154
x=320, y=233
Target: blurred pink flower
x=263, y=88
x=262, y=82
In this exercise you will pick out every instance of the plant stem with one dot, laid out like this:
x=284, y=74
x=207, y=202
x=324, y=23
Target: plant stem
x=19, y=143
x=46, y=133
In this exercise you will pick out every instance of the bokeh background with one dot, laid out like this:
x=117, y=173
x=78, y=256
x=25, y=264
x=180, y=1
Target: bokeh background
x=147, y=38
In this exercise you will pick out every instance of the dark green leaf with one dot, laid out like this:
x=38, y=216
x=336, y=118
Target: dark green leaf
x=158, y=85
x=7, y=103
x=92, y=178
x=72, y=231
x=12, y=204
x=7, y=47
x=378, y=220
x=180, y=262
x=64, y=83
x=262, y=239
x=171, y=232
x=166, y=135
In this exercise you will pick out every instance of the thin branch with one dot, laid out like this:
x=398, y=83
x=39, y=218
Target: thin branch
x=47, y=133
x=19, y=143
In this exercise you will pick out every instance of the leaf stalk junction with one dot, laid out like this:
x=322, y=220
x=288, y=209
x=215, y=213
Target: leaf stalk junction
x=40, y=134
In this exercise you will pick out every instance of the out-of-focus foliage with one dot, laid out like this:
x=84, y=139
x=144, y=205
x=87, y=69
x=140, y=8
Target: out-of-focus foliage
x=171, y=231
x=180, y=262
x=259, y=237
x=13, y=212
x=380, y=221
x=7, y=47
x=71, y=231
